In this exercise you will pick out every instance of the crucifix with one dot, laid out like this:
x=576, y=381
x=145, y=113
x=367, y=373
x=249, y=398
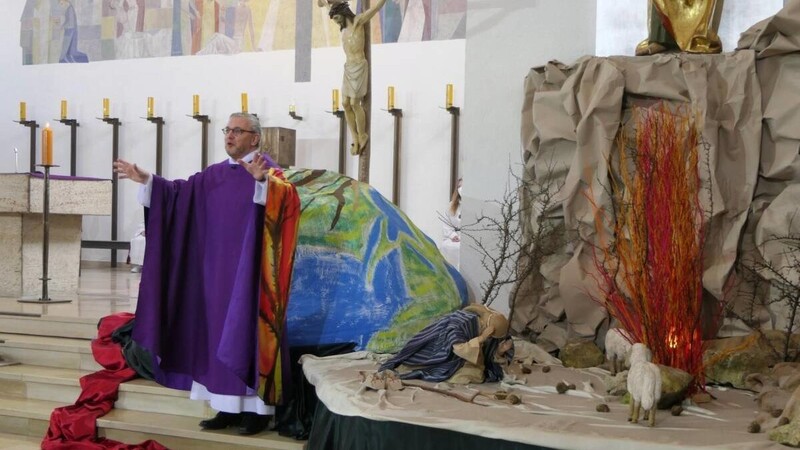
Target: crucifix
x=356, y=80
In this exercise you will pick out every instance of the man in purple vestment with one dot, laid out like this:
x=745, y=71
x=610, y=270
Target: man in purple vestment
x=203, y=253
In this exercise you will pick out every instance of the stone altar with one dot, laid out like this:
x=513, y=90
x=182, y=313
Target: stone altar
x=21, y=199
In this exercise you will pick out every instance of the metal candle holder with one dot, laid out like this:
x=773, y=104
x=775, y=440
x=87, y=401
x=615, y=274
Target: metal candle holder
x=73, y=143
x=115, y=123
x=159, y=121
x=204, y=120
x=342, y=139
x=398, y=124
x=455, y=113
x=32, y=125
x=45, y=298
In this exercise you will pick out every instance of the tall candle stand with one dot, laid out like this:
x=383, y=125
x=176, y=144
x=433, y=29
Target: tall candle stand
x=398, y=127
x=159, y=121
x=342, y=139
x=115, y=123
x=293, y=115
x=455, y=113
x=73, y=143
x=204, y=120
x=32, y=125
x=45, y=298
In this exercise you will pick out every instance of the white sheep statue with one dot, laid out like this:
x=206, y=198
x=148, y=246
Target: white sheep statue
x=618, y=348
x=644, y=384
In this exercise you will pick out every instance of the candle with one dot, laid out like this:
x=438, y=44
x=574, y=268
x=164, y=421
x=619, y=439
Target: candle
x=23, y=111
x=244, y=102
x=63, y=110
x=106, y=108
x=47, y=145
x=150, y=105
x=449, y=96
x=292, y=108
x=195, y=105
x=391, y=97
x=335, y=99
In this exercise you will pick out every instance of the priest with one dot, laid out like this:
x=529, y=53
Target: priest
x=202, y=311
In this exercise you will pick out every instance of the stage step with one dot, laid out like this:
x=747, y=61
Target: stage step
x=31, y=418
x=63, y=385
x=17, y=442
x=67, y=353
x=30, y=324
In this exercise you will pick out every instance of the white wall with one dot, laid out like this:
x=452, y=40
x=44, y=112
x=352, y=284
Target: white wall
x=505, y=38
x=419, y=72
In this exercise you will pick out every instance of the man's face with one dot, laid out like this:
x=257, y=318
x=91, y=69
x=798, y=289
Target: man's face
x=238, y=145
x=340, y=20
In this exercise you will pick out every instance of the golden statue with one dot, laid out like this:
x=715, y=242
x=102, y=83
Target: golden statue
x=685, y=25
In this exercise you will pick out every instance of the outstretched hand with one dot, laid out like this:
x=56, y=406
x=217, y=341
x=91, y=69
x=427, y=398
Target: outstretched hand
x=258, y=168
x=131, y=171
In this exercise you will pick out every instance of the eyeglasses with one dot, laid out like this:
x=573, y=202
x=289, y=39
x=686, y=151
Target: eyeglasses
x=236, y=131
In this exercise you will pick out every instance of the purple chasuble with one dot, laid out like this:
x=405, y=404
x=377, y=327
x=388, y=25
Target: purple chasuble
x=198, y=295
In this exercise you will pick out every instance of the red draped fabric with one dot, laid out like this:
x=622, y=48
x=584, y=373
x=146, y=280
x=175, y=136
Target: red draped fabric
x=74, y=427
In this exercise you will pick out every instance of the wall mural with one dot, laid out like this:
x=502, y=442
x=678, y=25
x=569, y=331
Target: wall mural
x=67, y=31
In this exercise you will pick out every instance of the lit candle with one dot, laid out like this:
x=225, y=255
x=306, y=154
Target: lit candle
x=106, y=108
x=150, y=105
x=391, y=97
x=195, y=105
x=47, y=145
x=244, y=102
x=292, y=107
x=449, y=96
x=23, y=111
x=335, y=99
x=63, y=110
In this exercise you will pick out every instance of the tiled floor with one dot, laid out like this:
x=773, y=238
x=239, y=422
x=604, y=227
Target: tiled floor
x=102, y=290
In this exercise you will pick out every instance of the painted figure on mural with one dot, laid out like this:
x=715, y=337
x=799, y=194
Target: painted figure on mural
x=356, y=66
x=184, y=15
x=675, y=25
x=207, y=25
x=69, y=44
x=243, y=32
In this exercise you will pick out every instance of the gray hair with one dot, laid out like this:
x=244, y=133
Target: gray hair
x=255, y=124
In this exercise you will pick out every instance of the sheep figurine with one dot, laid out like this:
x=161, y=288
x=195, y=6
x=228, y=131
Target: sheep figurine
x=644, y=384
x=618, y=348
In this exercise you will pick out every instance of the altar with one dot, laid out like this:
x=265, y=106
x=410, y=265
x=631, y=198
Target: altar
x=21, y=233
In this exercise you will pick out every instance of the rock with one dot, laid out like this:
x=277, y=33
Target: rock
x=754, y=427
x=545, y=369
x=514, y=399
x=526, y=369
x=788, y=434
x=581, y=354
x=552, y=337
x=701, y=397
x=674, y=386
x=783, y=421
x=561, y=387
x=618, y=384
x=602, y=407
x=676, y=410
x=730, y=360
x=501, y=395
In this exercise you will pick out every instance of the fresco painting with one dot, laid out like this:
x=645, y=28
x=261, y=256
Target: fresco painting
x=77, y=31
